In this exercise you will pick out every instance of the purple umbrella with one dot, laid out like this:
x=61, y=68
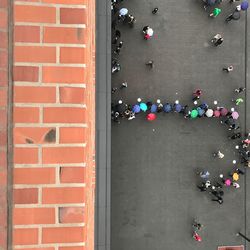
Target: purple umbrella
x=244, y=5
x=177, y=108
x=136, y=108
x=223, y=111
x=235, y=115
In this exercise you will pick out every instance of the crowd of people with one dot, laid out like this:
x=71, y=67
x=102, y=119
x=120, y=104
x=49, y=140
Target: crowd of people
x=196, y=109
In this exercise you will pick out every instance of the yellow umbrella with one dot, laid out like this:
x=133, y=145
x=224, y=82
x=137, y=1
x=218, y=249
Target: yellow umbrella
x=235, y=177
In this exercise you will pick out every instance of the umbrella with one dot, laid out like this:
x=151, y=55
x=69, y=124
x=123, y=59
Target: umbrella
x=136, y=108
x=235, y=115
x=121, y=108
x=194, y=113
x=236, y=15
x=209, y=113
x=153, y=108
x=223, y=111
x=150, y=32
x=201, y=111
x=216, y=113
x=177, y=107
x=236, y=177
x=227, y=182
x=204, y=106
x=167, y=107
x=211, y=2
x=244, y=5
x=151, y=117
x=143, y=106
x=123, y=11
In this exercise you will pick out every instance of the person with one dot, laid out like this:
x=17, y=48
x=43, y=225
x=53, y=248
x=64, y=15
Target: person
x=215, y=12
x=219, y=200
x=218, y=155
x=239, y=171
x=204, y=174
x=117, y=36
x=155, y=10
x=131, y=20
x=116, y=68
x=148, y=32
x=234, y=16
x=228, y=69
x=240, y=90
x=202, y=187
x=197, y=226
x=238, y=101
x=197, y=237
x=235, y=136
x=236, y=185
x=150, y=63
x=113, y=90
x=245, y=143
x=217, y=40
x=124, y=85
x=197, y=94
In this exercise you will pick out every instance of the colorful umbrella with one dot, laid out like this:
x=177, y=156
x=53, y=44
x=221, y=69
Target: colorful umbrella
x=150, y=32
x=227, y=182
x=153, y=108
x=223, y=111
x=235, y=115
x=151, y=116
x=143, y=106
x=194, y=113
x=136, y=108
x=167, y=107
x=201, y=111
x=244, y=5
x=209, y=113
x=177, y=107
x=236, y=177
x=123, y=11
x=216, y=113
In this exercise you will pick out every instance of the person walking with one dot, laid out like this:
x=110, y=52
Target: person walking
x=197, y=94
x=238, y=101
x=215, y=12
x=218, y=155
x=235, y=136
x=217, y=40
x=150, y=63
x=239, y=171
x=155, y=10
x=124, y=85
x=235, y=15
x=228, y=69
x=219, y=200
x=240, y=90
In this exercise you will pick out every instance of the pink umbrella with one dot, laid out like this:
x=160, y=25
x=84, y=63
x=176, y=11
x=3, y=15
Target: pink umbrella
x=223, y=111
x=151, y=117
x=235, y=115
x=216, y=113
x=227, y=182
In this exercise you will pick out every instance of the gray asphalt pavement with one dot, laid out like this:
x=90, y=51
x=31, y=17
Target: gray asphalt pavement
x=154, y=195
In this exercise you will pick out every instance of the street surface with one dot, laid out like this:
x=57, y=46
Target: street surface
x=154, y=164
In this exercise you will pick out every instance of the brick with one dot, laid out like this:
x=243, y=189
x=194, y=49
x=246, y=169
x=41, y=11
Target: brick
x=35, y=14
x=3, y=117
x=72, y=55
x=28, y=34
x=25, y=196
x=25, y=236
x=3, y=3
x=72, y=248
x=3, y=158
x=64, y=35
x=26, y=115
x=30, y=216
x=72, y=95
x=71, y=214
x=3, y=96
x=64, y=115
x=63, y=155
x=26, y=94
x=73, y=135
x=38, y=135
x=72, y=16
x=72, y=174
x=3, y=77
x=66, y=1
x=25, y=155
x=3, y=39
x=63, y=195
x=3, y=59
x=3, y=136
x=36, y=54
x=39, y=248
x=25, y=73
x=34, y=176
x=63, y=75
x=63, y=235
x=3, y=19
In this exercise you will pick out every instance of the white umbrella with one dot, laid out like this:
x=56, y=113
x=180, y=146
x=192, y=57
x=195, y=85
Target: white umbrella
x=123, y=11
x=150, y=31
x=209, y=113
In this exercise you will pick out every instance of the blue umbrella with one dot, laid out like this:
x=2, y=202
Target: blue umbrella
x=177, y=107
x=143, y=106
x=136, y=108
x=201, y=111
x=153, y=108
x=123, y=11
x=167, y=107
x=204, y=105
x=244, y=5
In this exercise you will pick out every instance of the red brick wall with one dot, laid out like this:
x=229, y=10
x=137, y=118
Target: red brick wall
x=4, y=14
x=54, y=124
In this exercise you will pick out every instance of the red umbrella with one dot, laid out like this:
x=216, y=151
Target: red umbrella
x=151, y=116
x=216, y=113
x=223, y=111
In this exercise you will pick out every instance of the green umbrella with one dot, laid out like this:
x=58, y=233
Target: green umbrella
x=194, y=113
